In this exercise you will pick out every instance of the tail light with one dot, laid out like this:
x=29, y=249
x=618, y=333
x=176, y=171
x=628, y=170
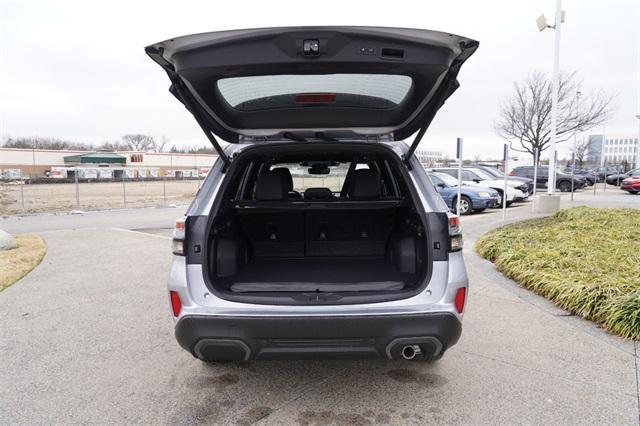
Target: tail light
x=511, y=173
x=176, y=303
x=315, y=98
x=461, y=295
x=177, y=244
x=455, y=233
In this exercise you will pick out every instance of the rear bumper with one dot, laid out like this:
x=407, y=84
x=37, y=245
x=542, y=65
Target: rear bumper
x=213, y=338
x=484, y=203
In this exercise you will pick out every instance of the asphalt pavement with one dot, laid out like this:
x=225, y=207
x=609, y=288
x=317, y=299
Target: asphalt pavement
x=87, y=338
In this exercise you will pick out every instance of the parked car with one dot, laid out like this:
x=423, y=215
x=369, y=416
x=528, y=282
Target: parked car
x=631, y=184
x=497, y=174
x=605, y=171
x=354, y=254
x=589, y=175
x=516, y=191
x=616, y=179
x=563, y=180
x=472, y=198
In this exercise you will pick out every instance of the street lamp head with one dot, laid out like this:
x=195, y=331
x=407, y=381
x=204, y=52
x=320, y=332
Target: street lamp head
x=542, y=23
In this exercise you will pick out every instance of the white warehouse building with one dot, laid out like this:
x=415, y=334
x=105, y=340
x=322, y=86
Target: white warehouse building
x=16, y=162
x=429, y=158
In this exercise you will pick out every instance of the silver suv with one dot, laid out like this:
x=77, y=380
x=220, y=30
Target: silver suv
x=317, y=232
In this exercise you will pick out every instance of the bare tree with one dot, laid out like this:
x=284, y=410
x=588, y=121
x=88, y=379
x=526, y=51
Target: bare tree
x=138, y=142
x=525, y=116
x=162, y=145
x=580, y=151
x=112, y=146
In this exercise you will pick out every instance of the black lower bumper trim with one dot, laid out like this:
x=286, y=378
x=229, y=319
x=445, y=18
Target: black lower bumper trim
x=242, y=338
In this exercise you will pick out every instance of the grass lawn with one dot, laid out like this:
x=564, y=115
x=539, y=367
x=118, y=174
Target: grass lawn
x=16, y=263
x=586, y=260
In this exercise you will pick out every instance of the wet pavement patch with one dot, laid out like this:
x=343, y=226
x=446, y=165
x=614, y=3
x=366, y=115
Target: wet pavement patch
x=254, y=414
x=221, y=381
x=316, y=418
x=404, y=375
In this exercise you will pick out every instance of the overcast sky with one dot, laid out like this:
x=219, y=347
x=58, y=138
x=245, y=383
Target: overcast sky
x=78, y=71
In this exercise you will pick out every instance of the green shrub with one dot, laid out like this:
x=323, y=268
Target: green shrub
x=586, y=260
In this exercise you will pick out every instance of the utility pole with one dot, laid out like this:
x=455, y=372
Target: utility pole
x=638, y=102
x=638, y=141
x=554, y=99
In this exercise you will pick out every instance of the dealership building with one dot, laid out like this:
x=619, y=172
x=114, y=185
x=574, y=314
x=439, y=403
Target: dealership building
x=429, y=158
x=613, y=149
x=17, y=162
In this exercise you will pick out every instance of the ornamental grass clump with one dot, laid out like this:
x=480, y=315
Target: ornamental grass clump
x=586, y=260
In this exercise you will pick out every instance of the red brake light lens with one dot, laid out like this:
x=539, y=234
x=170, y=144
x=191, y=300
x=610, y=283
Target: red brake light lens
x=176, y=303
x=454, y=221
x=460, y=297
x=454, y=225
x=315, y=98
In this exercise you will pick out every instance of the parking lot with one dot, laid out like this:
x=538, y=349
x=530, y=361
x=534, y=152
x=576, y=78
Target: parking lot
x=87, y=337
x=61, y=197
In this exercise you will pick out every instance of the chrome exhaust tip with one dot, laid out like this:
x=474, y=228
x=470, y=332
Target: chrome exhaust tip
x=409, y=352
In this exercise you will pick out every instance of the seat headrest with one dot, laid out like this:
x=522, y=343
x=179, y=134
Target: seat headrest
x=318, y=194
x=270, y=186
x=366, y=184
x=286, y=175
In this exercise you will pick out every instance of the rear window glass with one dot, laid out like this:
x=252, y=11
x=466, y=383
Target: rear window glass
x=303, y=180
x=375, y=91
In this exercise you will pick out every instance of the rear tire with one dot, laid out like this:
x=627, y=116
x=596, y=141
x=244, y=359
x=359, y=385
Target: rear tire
x=499, y=204
x=564, y=186
x=466, y=206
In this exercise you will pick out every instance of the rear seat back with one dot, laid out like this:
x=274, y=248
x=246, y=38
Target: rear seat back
x=348, y=232
x=278, y=234
x=271, y=186
x=318, y=194
x=297, y=233
x=365, y=185
x=273, y=234
x=285, y=174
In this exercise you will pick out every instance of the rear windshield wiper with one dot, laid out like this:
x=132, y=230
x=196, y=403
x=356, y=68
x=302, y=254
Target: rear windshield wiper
x=322, y=136
x=293, y=137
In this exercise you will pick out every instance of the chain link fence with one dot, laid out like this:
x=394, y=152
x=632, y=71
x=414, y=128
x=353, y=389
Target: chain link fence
x=50, y=195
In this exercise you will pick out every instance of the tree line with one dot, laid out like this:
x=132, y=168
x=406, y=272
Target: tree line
x=130, y=142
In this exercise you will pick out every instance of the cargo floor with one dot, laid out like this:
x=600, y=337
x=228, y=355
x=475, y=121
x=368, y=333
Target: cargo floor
x=323, y=274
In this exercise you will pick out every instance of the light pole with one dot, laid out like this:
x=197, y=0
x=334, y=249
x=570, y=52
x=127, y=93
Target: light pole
x=542, y=25
x=573, y=156
x=638, y=102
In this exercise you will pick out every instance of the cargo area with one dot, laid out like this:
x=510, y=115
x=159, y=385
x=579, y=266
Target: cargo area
x=340, y=223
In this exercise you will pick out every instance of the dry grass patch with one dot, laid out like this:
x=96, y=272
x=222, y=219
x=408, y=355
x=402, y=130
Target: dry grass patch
x=586, y=260
x=16, y=263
